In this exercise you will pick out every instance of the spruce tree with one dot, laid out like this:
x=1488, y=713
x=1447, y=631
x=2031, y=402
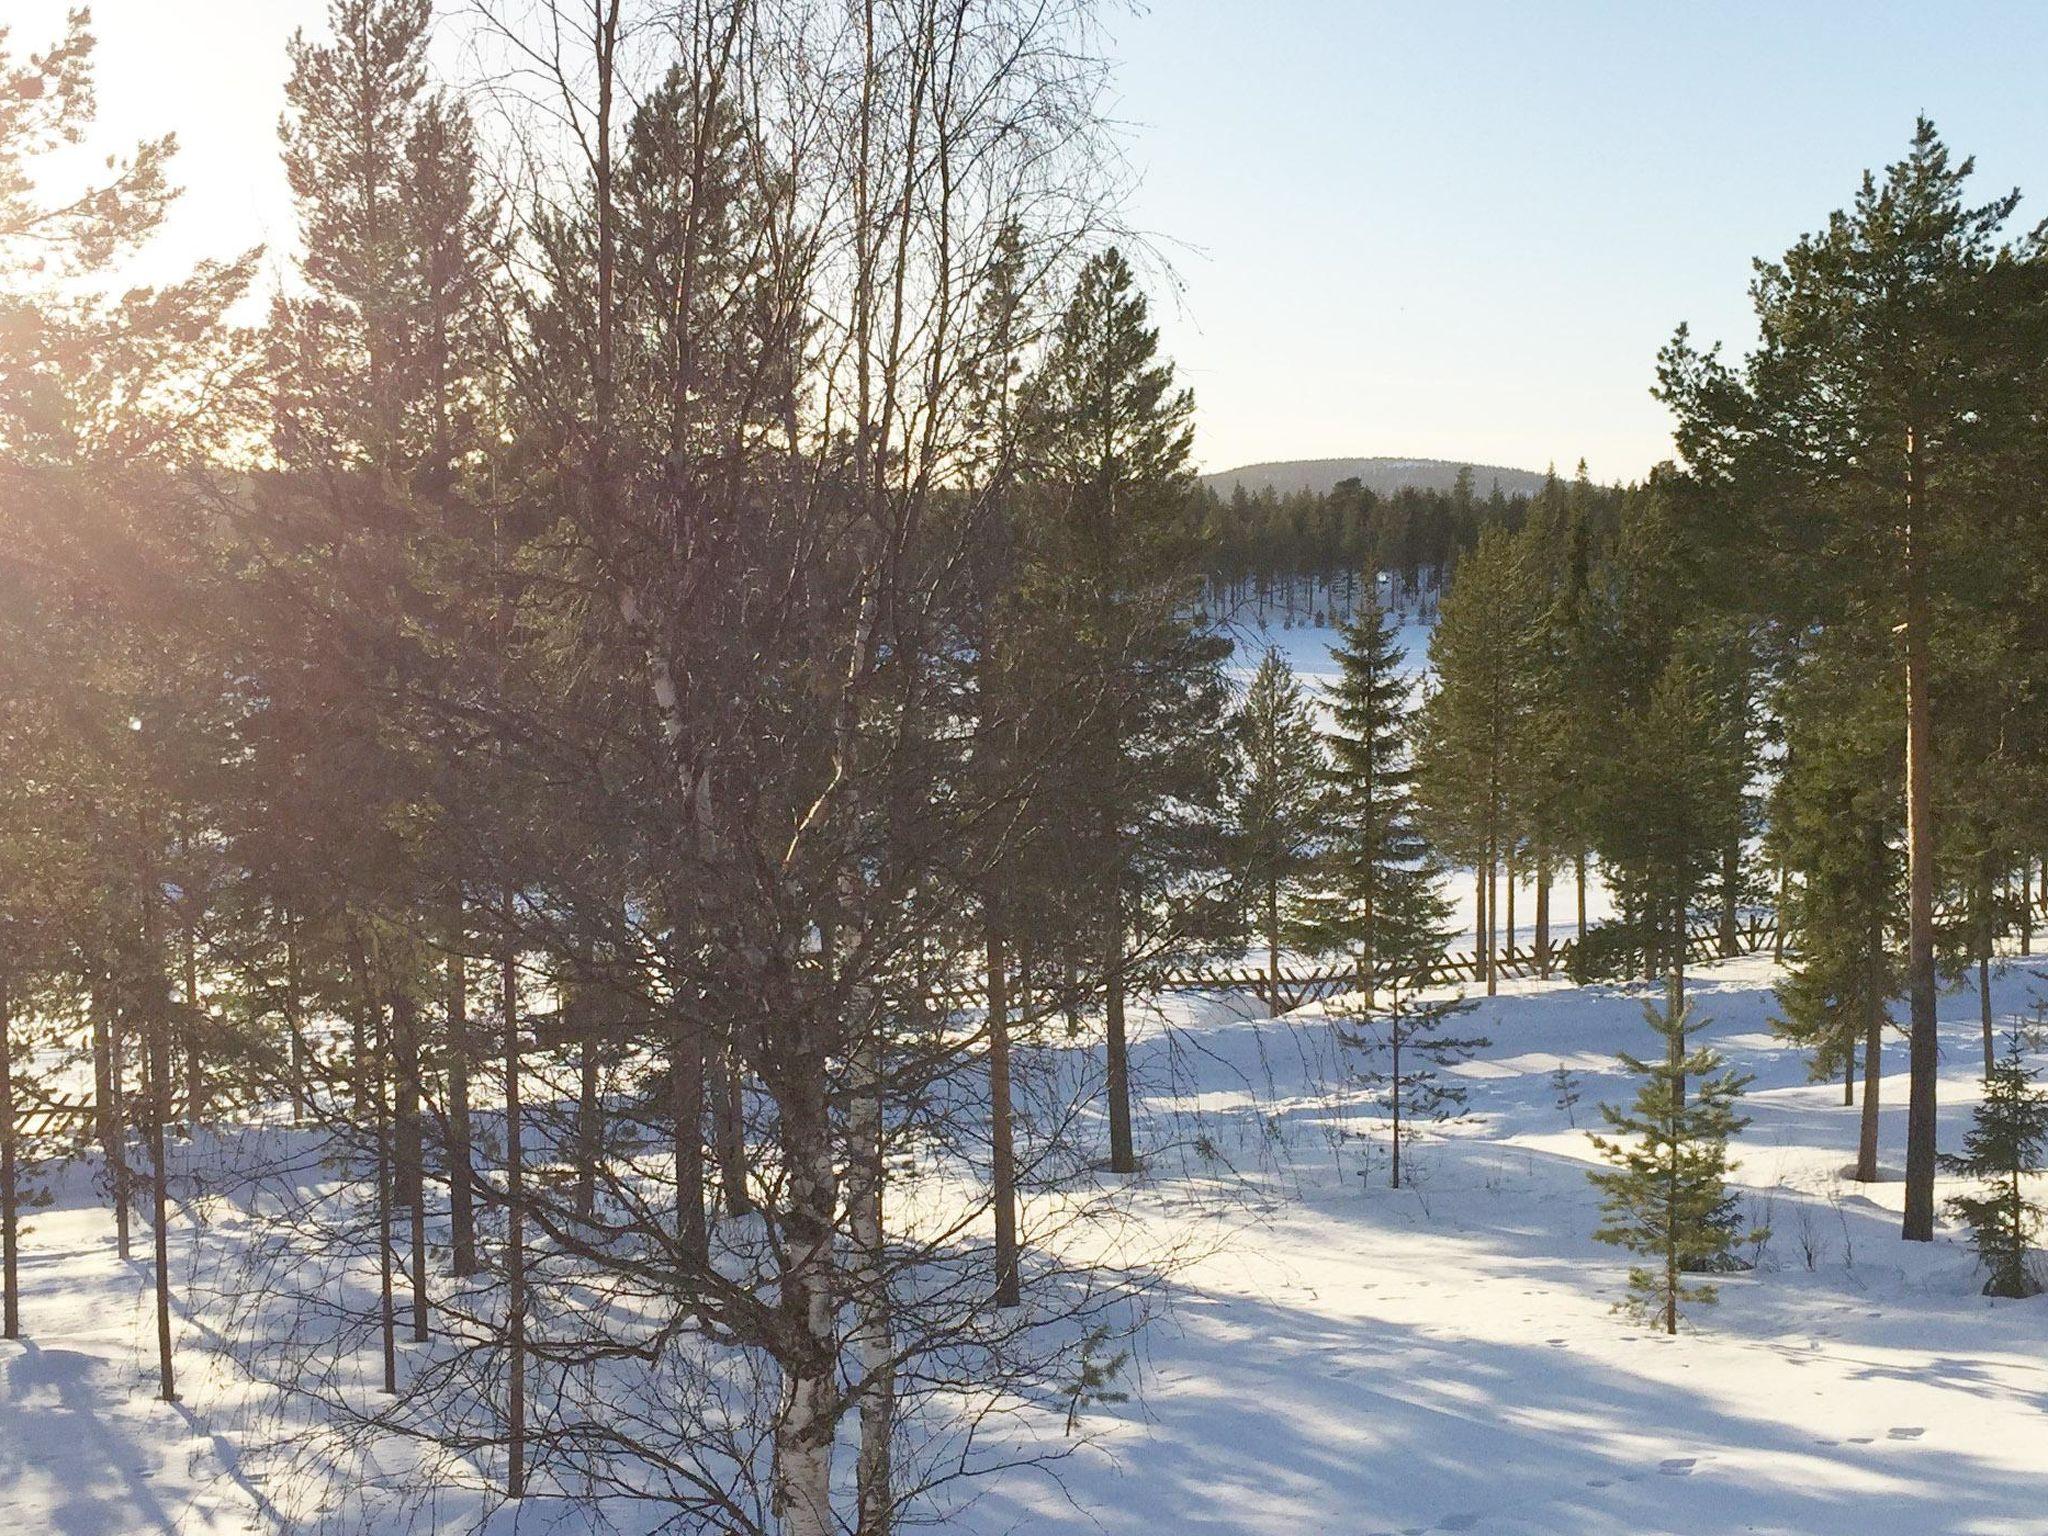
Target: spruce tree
x=1375, y=898
x=2005, y=1147
x=1665, y=1198
x=1276, y=812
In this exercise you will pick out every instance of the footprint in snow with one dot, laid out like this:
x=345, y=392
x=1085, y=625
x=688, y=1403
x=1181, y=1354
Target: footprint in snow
x=1860, y=1439
x=1598, y=1482
x=1677, y=1466
x=1910, y=1432
x=1456, y=1523
x=1558, y=1342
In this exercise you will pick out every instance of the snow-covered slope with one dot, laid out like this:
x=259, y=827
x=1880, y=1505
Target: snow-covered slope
x=1334, y=1356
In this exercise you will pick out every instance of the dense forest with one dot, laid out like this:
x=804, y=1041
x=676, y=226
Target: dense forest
x=1298, y=558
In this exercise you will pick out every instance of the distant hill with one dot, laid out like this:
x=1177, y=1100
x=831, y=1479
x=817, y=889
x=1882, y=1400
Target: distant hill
x=1381, y=476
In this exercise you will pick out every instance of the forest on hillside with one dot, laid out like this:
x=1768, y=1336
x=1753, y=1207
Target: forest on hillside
x=615, y=760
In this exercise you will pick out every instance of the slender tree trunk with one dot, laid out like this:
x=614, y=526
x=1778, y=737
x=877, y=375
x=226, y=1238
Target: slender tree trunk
x=1479, y=919
x=1492, y=908
x=1273, y=949
x=1873, y=1051
x=1122, y=1153
x=1543, y=914
x=2027, y=904
x=195, y=1066
x=1579, y=869
x=10, y=1213
x=401, y=1066
x=730, y=1129
x=1985, y=940
x=1849, y=1076
x=461, y=1140
x=515, y=1232
x=412, y=1151
x=874, y=1346
x=805, y=1422
x=1925, y=1043
x=1784, y=897
x=387, y=1311
x=159, y=1050
x=1674, y=1000
x=589, y=1129
x=686, y=1087
x=1394, y=1037
x=294, y=1022
x=1731, y=878
x=1003, y=1172
x=1507, y=937
x=117, y=1138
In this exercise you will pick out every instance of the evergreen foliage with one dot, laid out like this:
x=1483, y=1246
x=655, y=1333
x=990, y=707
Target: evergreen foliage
x=1375, y=898
x=2005, y=1149
x=1665, y=1196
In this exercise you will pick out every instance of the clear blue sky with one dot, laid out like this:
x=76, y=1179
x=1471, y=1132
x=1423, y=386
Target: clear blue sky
x=1462, y=230
x=1444, y=229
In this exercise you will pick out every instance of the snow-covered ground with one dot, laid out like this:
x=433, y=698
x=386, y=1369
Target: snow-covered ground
x=1340, y=1357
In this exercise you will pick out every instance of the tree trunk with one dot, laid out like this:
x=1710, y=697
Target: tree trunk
x=686, y=1087
x=2027, y=904
x=1985, y=940
x=10, y=1215
x=515, y=1234
x=1731, y=876
x=1003, y=1172
x=1122, y=1154
x=873, y=1340
x=1273, y=949
x=461, y=1141
x=589, y=1129
x=160, y=1201
x=1543, y=914
x=294, y=1025
x=401, y=1064
x=1394, y=1038
x=1492, y=909
x=117, y=1128
x=195, y=1065
x=1849, y=1076
x=1507, y=936
x=1579, y=871
x=1925, y=1044
x=805, y=1423
x=730, y=1129
x=387, y=1313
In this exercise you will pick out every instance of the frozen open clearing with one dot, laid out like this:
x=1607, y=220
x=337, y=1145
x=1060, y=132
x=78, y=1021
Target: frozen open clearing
x=1343, y=1357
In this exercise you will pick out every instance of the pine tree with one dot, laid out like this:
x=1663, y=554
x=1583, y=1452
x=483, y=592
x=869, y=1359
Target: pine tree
x=1466, y=734
x=1834, y=808
x=1114, y=557
x=2005, y=1146
x=1409, y=1048
x=1375, y=898
x=1885, y=380
x=1276, y=815
x=1666, y=1197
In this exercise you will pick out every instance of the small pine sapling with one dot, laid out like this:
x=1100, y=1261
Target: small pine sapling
x=1564, y=1083
x=1410, y=1081
x=2004, y=1147
x=1094, y=1376
x=1665, y=1197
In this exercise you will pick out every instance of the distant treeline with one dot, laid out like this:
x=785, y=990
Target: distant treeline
x=1300, y=557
